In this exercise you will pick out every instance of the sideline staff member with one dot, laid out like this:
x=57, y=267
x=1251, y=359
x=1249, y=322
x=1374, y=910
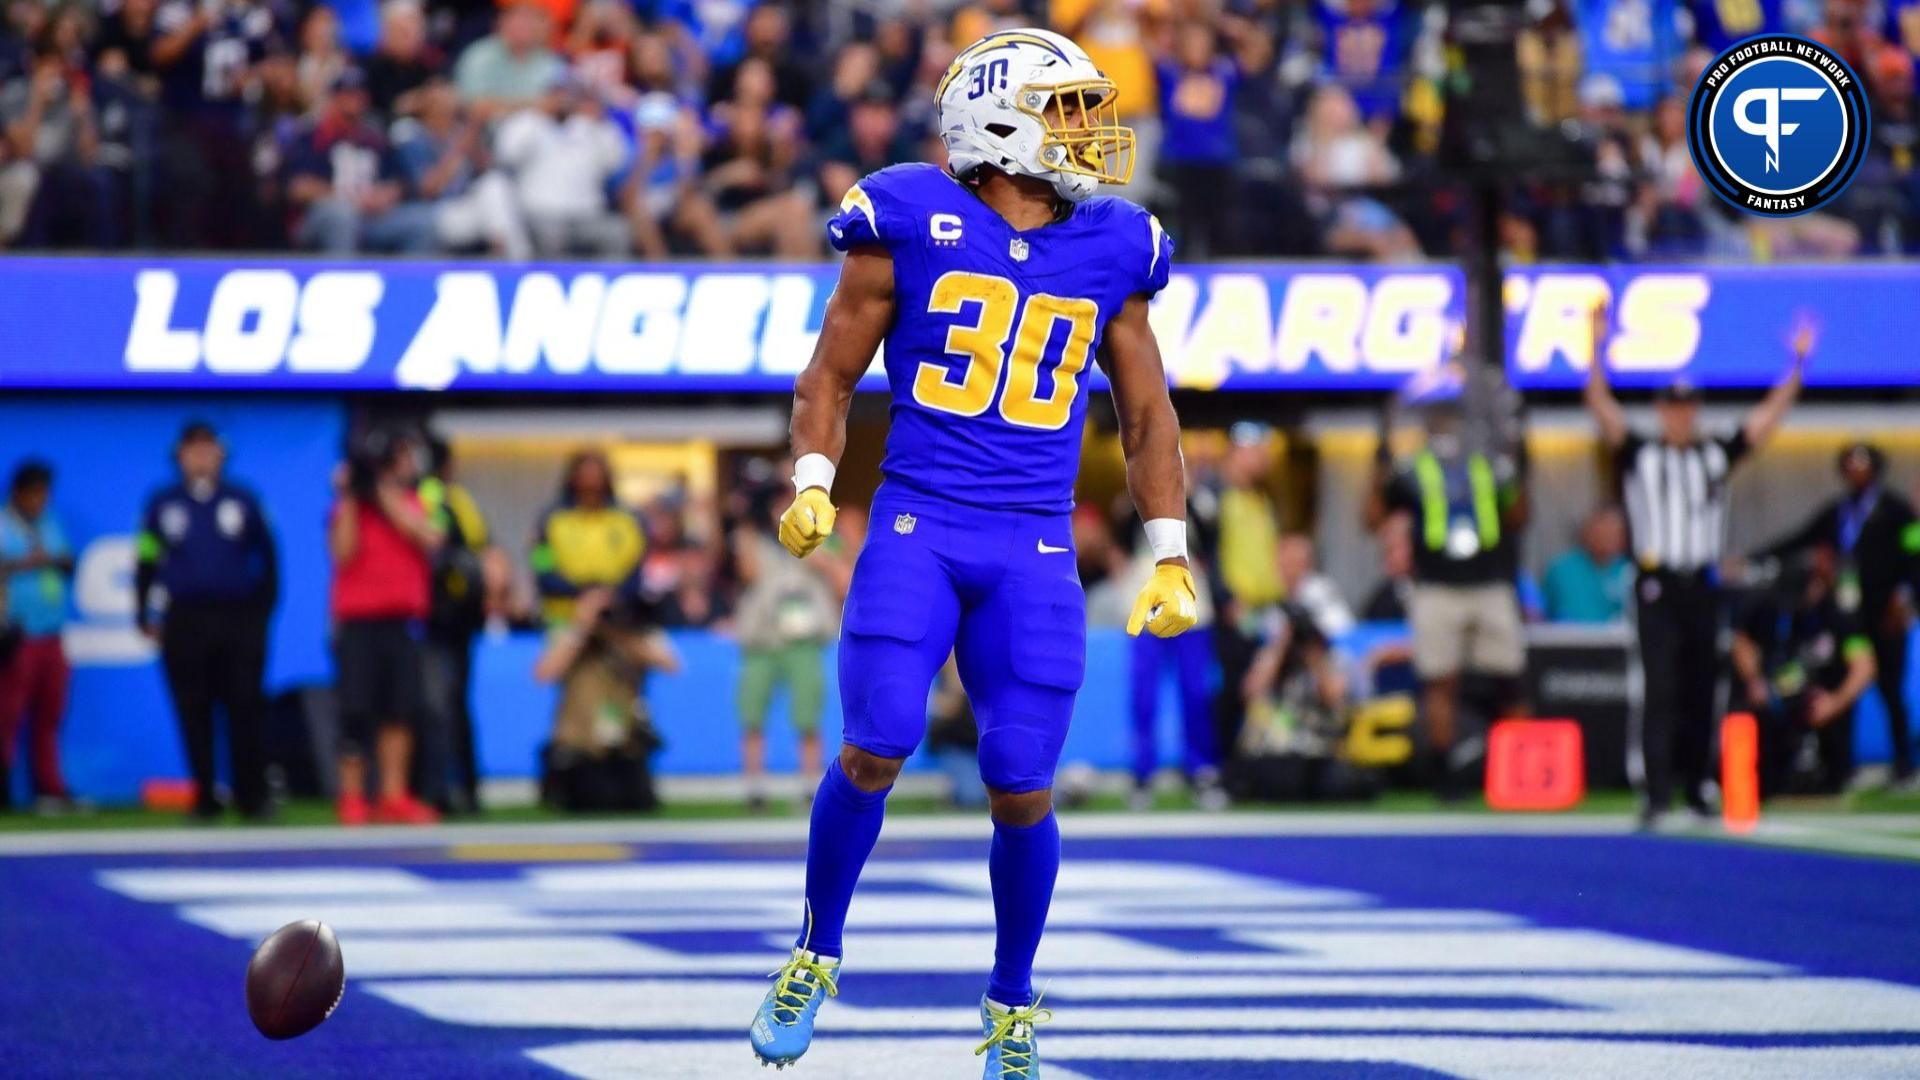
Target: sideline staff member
x=1873, y=532
x=206, y=542
x=1466, y=507
x=1674, y=486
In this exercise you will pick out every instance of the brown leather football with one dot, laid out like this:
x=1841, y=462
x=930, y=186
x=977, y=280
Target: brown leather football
x=295, y=979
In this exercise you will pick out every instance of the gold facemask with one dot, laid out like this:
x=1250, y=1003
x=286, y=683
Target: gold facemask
x=1084, y=133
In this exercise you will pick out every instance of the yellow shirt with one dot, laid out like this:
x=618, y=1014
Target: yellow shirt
x=1250, y=548
x=1109, y=30
x=578, y=548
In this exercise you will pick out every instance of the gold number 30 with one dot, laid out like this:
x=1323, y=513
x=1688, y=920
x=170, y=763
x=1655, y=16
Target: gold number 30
x=983, y=343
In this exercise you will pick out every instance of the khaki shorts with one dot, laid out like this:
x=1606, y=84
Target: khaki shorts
x=1472, y=628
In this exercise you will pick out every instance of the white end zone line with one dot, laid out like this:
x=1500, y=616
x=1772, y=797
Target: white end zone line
x=1091, y=825
x=1864, y=834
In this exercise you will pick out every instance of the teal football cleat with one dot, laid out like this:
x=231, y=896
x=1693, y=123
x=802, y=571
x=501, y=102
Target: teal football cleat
x=1012, y=1052
x=783, y=1027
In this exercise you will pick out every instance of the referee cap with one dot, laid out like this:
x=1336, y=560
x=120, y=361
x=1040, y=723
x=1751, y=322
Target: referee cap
x=1680, y=391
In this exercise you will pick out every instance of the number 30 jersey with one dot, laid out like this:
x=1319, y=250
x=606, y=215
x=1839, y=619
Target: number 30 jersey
x=994, y=331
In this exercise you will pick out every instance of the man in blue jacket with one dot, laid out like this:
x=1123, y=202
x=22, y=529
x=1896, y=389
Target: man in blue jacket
x=206, y=542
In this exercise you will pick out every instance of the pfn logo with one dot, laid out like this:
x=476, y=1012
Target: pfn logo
x=1777, y=125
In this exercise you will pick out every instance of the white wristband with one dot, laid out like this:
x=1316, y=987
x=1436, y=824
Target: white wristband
x=1168, y=538
x=813, y=470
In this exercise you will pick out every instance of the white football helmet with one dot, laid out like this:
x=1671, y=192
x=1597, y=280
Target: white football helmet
x=1031, y=102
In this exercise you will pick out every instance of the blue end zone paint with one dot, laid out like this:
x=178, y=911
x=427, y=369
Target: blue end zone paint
x=95, y=981
x=1257, y=1070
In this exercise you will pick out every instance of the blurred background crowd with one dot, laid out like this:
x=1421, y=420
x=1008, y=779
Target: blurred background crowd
x=608, y=127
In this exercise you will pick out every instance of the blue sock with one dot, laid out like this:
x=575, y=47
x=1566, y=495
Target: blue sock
x=846, y=822
x=1023, y=864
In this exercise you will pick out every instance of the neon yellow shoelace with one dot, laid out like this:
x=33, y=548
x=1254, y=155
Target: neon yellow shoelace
x=792, y=991
x=1013, y=1033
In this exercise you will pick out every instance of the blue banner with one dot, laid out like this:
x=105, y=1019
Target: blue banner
x=1721, y=326
x=398, y=325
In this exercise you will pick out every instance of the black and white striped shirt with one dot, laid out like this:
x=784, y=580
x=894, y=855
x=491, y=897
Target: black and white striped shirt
x=1676, y=499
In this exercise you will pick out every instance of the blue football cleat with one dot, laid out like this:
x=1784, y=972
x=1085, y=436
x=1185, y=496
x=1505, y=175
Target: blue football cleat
x=783, y=1027
x=1011, y=1050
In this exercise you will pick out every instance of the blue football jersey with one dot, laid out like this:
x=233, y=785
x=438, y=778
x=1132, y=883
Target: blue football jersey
x=995, y=331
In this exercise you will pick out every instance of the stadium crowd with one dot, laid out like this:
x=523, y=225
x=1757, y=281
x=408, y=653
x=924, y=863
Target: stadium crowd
x=661, y=127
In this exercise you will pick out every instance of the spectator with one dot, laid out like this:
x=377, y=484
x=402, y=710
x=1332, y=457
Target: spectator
x=1872, y=531
x=597, y=758
x=381, y=541
x=123, y=45
x=1595, y=226
x=601, y=45
x=1884, y=200
x=1249, y=525
x=347, y=183
x=442, y=160
x=205, y=541
x=1669, y=208
x=585, y=540
x=1364, y=46
x=768, y=38
x=1588, y=583
x=855, y=69
x=206, y=52
x=662, y=193
x=751, y=168
x=321, y=57
x=561, y=156
x=53, y=190
x=1394, y=595
x=447, y=767
x=871, y=140
x=1310, y=590
x=1803, y=661
x=403, y=60
x=1335, y=155
x=679, y=571
x=1848, y=32
x=1466, y=507
x=789, y=612
x=1246, y=567
x=1198, y=150
x=36, y=563
x=511, y=69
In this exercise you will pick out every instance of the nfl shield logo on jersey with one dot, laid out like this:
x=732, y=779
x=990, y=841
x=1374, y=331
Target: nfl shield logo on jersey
x=1018, y=249
x=904, y=524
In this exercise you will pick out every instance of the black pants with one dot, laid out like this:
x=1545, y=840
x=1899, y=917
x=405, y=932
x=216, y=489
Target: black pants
x=446, y=763
x=217, y=654
x=1678, y=618
x=1890, y=653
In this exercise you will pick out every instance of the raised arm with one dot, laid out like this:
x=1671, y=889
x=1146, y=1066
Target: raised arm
x=1156, y=477
x=1765, y=418
x=859, y=314
x=1599, y=396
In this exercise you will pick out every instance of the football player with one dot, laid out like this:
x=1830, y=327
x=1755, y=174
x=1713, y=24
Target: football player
x=993, y=283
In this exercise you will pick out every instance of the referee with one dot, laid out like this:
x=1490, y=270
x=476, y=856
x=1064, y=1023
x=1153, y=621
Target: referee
x=1674, y=486
x=206, y=542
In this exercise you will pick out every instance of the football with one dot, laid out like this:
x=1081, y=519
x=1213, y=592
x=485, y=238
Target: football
x=295, y=980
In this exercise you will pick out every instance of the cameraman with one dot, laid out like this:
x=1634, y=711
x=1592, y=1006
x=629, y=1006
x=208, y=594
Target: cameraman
x=381, y=539
x=602, y=735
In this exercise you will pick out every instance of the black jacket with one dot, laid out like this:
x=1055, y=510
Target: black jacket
x=1886, y=555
